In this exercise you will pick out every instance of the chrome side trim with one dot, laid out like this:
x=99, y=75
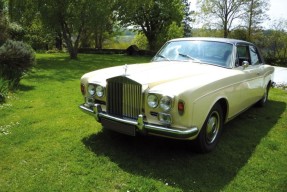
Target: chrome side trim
x=140, y=124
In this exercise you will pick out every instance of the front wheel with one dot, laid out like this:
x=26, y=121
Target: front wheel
x=211, y=130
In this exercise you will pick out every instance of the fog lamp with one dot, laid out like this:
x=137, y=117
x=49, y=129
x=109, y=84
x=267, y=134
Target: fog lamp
x=165, y=118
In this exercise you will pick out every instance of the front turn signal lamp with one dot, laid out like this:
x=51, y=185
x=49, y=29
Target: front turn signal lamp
x=180, y=107
x=83, y=89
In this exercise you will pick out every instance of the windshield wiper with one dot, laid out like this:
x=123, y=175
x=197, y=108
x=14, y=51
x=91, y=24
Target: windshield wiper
x=189, y=57
x=161, y=56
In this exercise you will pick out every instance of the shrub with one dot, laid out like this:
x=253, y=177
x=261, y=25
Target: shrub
x=3, y=27
x=16, y=32
x=16, y=59
x=3, y=90
x=140, y=40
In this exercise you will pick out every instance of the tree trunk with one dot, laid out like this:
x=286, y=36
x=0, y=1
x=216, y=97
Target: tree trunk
x=225, y=29
x=152, y=42
x=72, y=48
x=250, y=21
x=99, y=40
x=59, y=42
x=225, y=35
x=73, y=53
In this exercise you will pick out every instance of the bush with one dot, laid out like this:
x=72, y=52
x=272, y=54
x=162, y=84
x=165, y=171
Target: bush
x=3, y=27
x=16, y=59
x=140, y=40
x=3, y=90
x=16, y=32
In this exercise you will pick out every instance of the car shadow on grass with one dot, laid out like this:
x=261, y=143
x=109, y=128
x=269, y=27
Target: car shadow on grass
x=177, y=164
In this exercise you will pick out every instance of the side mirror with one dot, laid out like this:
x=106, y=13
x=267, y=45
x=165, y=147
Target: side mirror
x=245, y=64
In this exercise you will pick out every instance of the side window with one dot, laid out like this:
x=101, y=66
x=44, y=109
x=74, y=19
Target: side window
x=255, y=59
x=242, y=54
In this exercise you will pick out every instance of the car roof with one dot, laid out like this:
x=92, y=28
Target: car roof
x=216, y=39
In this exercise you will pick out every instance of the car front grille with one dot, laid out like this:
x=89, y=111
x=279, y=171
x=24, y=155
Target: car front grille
x=124, y=97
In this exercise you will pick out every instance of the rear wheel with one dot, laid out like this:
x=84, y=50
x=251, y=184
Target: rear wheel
x=211, y=130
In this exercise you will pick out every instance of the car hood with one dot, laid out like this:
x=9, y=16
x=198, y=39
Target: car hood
x=156, y=73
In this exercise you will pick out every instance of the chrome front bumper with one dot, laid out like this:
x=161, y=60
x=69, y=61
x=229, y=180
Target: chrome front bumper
x=142, y=126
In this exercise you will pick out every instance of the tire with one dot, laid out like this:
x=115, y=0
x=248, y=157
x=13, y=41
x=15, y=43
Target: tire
x=262, y=102
x=211, y=130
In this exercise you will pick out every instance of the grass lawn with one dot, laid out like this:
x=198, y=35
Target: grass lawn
x=48, y=144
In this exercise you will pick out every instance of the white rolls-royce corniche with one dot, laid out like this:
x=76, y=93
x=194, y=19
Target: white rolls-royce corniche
x=188, y=91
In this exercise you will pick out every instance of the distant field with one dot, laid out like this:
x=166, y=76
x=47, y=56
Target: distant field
x=48, y=144
x=119, y=42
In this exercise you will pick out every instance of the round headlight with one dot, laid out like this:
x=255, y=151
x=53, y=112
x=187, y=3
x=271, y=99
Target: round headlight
x=91, y=89
x=152, y=101
x=165, y=103
x=100, y=91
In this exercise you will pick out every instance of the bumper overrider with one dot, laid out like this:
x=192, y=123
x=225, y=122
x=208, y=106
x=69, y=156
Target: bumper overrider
x=128, y=126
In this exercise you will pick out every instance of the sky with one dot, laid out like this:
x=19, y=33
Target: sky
x=278, y=9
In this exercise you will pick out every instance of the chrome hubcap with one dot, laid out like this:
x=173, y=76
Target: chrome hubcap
x=212, y=127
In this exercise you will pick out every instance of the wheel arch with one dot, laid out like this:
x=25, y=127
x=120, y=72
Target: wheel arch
x=270, y=84
x=225, y=108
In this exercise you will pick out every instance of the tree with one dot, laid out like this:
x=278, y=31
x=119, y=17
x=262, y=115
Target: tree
x=26, y=14
x=174, y=31
x=274, y=43
x=77, y=20
x=187, y=19
x=140, y=41
x=152, y=17
x=72, y=23
x=256, y=14
x=69, y=17
x=16, y=57
x=22, y=11
x=3, y=23
x=101, y=21
x=222, y=14
x=239, y=33
x=207, y=32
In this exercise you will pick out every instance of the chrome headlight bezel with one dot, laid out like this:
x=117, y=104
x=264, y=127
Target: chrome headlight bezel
x=91, y=89
x=96, y=90
x=152, y=100
x=100, y=91
x=166, y=103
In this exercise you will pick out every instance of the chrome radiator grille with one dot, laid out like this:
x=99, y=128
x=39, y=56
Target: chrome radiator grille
x=124, y=97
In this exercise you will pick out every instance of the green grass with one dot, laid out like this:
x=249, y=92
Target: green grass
x=48, y=144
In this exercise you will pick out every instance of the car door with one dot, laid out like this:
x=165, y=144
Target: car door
x=252, y=74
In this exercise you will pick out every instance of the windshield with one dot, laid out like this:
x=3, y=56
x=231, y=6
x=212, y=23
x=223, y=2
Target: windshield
x=216, y=53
